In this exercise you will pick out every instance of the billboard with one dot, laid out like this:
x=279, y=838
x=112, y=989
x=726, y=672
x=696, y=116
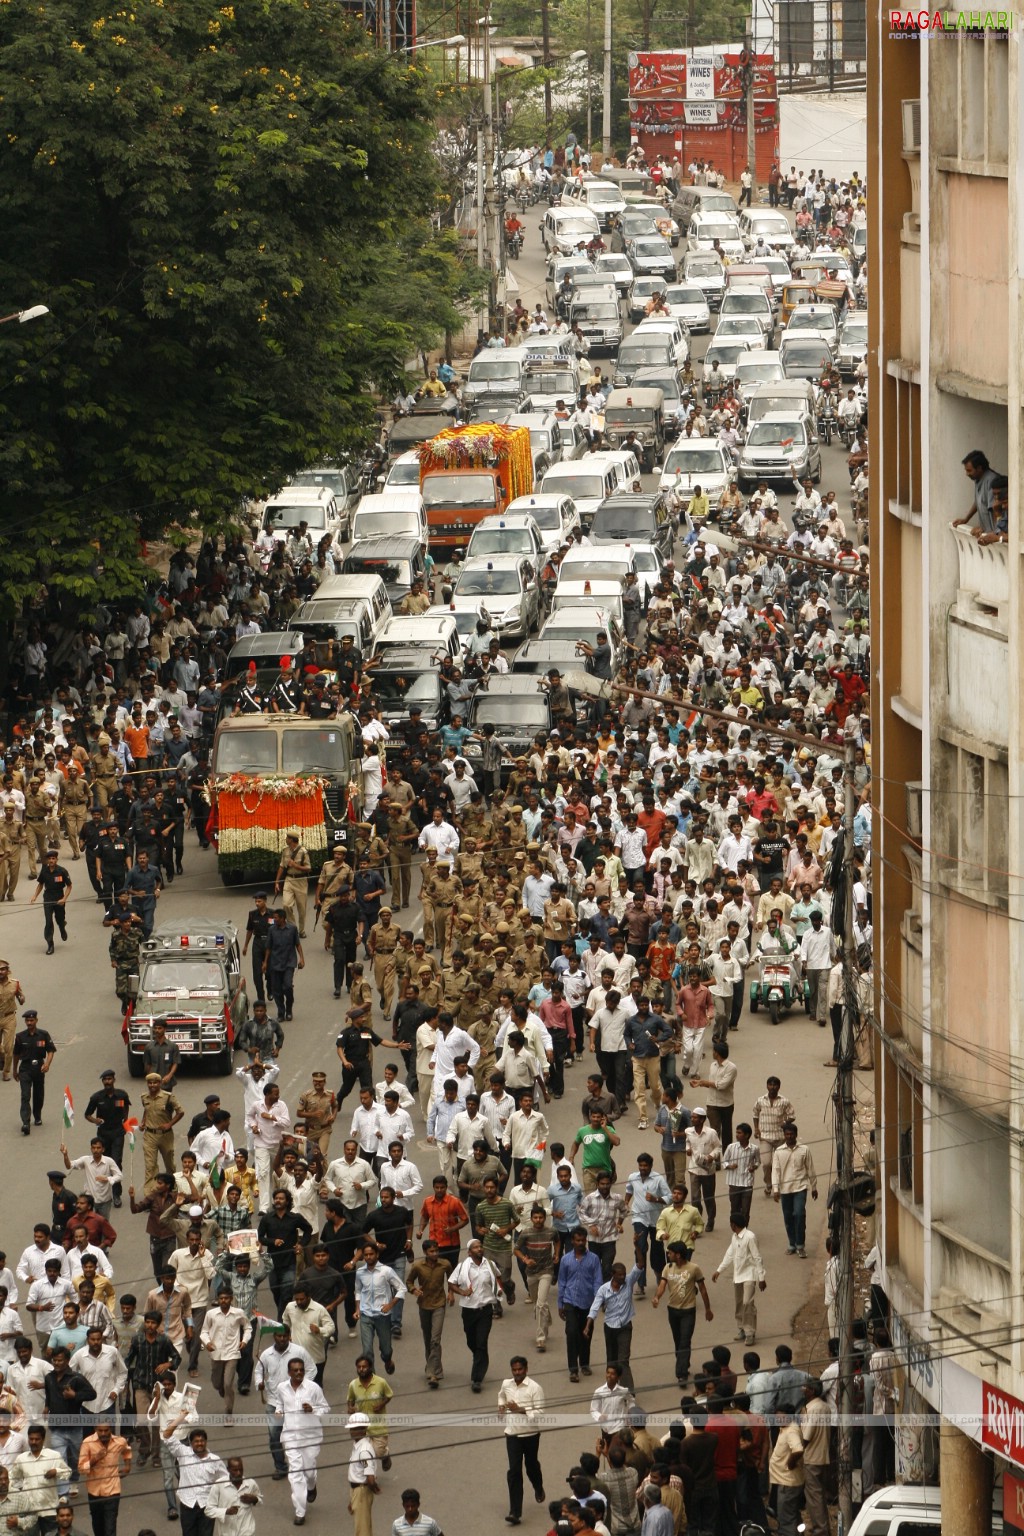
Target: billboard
x=691, y=103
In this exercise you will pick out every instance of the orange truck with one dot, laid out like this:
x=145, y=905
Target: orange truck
x=469, y=473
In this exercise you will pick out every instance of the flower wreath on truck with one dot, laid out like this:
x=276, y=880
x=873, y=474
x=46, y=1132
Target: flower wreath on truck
x=255, y=814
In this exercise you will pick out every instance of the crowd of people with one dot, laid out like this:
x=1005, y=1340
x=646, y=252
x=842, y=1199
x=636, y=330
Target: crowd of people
x=602, y=905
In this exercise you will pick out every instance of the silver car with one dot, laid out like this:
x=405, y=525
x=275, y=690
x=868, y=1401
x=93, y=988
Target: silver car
x=686, y=302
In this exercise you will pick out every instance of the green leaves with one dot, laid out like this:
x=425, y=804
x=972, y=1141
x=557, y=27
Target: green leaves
x=217, y=205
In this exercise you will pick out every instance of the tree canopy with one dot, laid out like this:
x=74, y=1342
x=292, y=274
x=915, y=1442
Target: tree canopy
x=226, y=209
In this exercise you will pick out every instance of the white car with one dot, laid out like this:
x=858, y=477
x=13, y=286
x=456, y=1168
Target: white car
x=699, y=461
x=756, y=367
x=316, y=506
x=506, y=586
x=596, y=562
x=615, y=265
x=813, y=320
x=404, y=474
x=667, y=325
x=555, y=515
x=686, y=302
x=745, y=328
x=853, y=342
x=750, y=304
x=649, y=564
x=769, y=225
x=706, y=228
x=727, y=351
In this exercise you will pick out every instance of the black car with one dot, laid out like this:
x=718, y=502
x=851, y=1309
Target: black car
x=519, y=712
x=638, y=517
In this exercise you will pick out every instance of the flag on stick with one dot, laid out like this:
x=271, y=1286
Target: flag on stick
x=69, y=1109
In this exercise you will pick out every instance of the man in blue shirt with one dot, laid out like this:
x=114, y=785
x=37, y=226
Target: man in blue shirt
x=579, y=1279
x=649, y=1194
x=565, y=1196
x=615, y=1299
x=643, y=1034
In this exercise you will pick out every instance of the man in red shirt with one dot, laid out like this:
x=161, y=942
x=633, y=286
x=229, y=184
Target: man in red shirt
x=446, y=1216
x=650, y=821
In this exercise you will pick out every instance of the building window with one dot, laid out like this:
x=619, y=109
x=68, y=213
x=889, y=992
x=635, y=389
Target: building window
x=854, y=30
x=977, y=827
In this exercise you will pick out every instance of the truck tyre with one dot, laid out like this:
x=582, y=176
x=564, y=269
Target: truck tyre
x=134, y=1064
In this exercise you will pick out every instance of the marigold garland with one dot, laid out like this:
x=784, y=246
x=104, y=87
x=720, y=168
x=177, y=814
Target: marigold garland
x=255, y=814
x=480, y=443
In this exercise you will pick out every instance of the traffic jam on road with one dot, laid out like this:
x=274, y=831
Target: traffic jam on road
x=528, y=743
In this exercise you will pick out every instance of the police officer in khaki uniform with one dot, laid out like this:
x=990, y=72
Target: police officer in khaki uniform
x=316, y=1113
x=428, y=871
x=445, y=892
x=382, y=941
x=292, y=883
x=104, y=771
x=402, y=837
x=160, y=1114
x=454, y=982
x=429, y=987
x=38, y=811
x=12, y=840
x=74, y=807
x=11, y=996
x=335, y=873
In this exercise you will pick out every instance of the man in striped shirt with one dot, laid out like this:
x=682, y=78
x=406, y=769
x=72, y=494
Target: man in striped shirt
x=771, y=1111
x=740, y=1161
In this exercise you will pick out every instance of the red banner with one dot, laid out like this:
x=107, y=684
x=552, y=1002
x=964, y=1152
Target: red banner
x=1002, y=1424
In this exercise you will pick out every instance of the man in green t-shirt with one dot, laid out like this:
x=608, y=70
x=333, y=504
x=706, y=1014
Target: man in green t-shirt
x=597, y=1142
x=494, y=1223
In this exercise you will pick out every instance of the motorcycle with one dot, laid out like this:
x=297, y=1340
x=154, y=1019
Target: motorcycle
x=524, y=199
x=847, y=431
x=515, y=245
x=778, y=987
x=826, y=423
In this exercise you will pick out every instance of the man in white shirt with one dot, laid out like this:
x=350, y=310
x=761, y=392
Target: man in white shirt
x=301, y=1405
x=104, y=1369
x=817, y=949
x=521, y=1404
x=268, y=1124
x=351, y=1179
x=232, y=1505
x=478, y=1286
x=271, y=1370
x=225, y=1332
x=401, y=1175
x=743, y=1257
x=363, y=1486
x=199, y=1471
x=612, y=1404
x=440, y=834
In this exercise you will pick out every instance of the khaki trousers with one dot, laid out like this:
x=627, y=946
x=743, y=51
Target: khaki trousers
x=646, y=1074
x=294, y=895
x=157, y=1144
x=74, y=819
x=360, y=1498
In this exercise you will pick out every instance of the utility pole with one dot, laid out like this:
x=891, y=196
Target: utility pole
x=492, y=246
x=748, y=90
x=590, y=87
x=545, y=32
x=606, y=127
x=844, y=1137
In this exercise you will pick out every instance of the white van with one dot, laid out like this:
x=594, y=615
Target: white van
x=390, y=512
x=909, y=1509
x=603, y=197
x=314, y=505
x=565, y=227
x=436, y=635
x=356, y=605
x=590, y=479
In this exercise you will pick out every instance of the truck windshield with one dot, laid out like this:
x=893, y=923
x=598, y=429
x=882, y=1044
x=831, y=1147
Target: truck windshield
x=246, y=752
x=520, y=710
x=314, y=752
x=466, y=490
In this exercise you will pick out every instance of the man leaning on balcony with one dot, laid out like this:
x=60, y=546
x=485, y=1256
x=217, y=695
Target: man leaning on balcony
x=1000, y=514
x=978, y=469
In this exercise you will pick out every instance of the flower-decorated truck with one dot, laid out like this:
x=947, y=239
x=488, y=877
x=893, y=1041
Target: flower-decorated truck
x=275, y=774
x=469, y=473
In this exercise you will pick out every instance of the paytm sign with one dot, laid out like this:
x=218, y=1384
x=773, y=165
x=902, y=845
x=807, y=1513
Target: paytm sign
x=700, y=79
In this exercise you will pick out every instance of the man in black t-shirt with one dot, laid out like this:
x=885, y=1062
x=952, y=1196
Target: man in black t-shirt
x=770, y=851
x=33, y=1051
x=392, y=1228
x=55, y=883
x=341, y=927
x=355, y=1050
x=257, y=929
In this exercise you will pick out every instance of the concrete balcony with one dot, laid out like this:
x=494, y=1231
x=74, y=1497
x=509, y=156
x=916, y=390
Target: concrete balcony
x=976, y=703
x=984, y=576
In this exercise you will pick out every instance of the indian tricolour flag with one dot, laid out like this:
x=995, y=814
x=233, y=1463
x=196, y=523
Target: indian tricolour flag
x=130, y=1127
x=69, y=1108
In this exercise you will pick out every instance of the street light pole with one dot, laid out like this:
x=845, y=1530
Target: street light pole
x=490, y=226
x=606, y=132
x=21, y=315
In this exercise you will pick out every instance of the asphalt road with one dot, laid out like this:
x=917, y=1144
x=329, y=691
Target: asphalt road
x=73, y=991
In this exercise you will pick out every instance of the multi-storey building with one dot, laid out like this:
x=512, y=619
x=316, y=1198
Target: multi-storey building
x=946, y=250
